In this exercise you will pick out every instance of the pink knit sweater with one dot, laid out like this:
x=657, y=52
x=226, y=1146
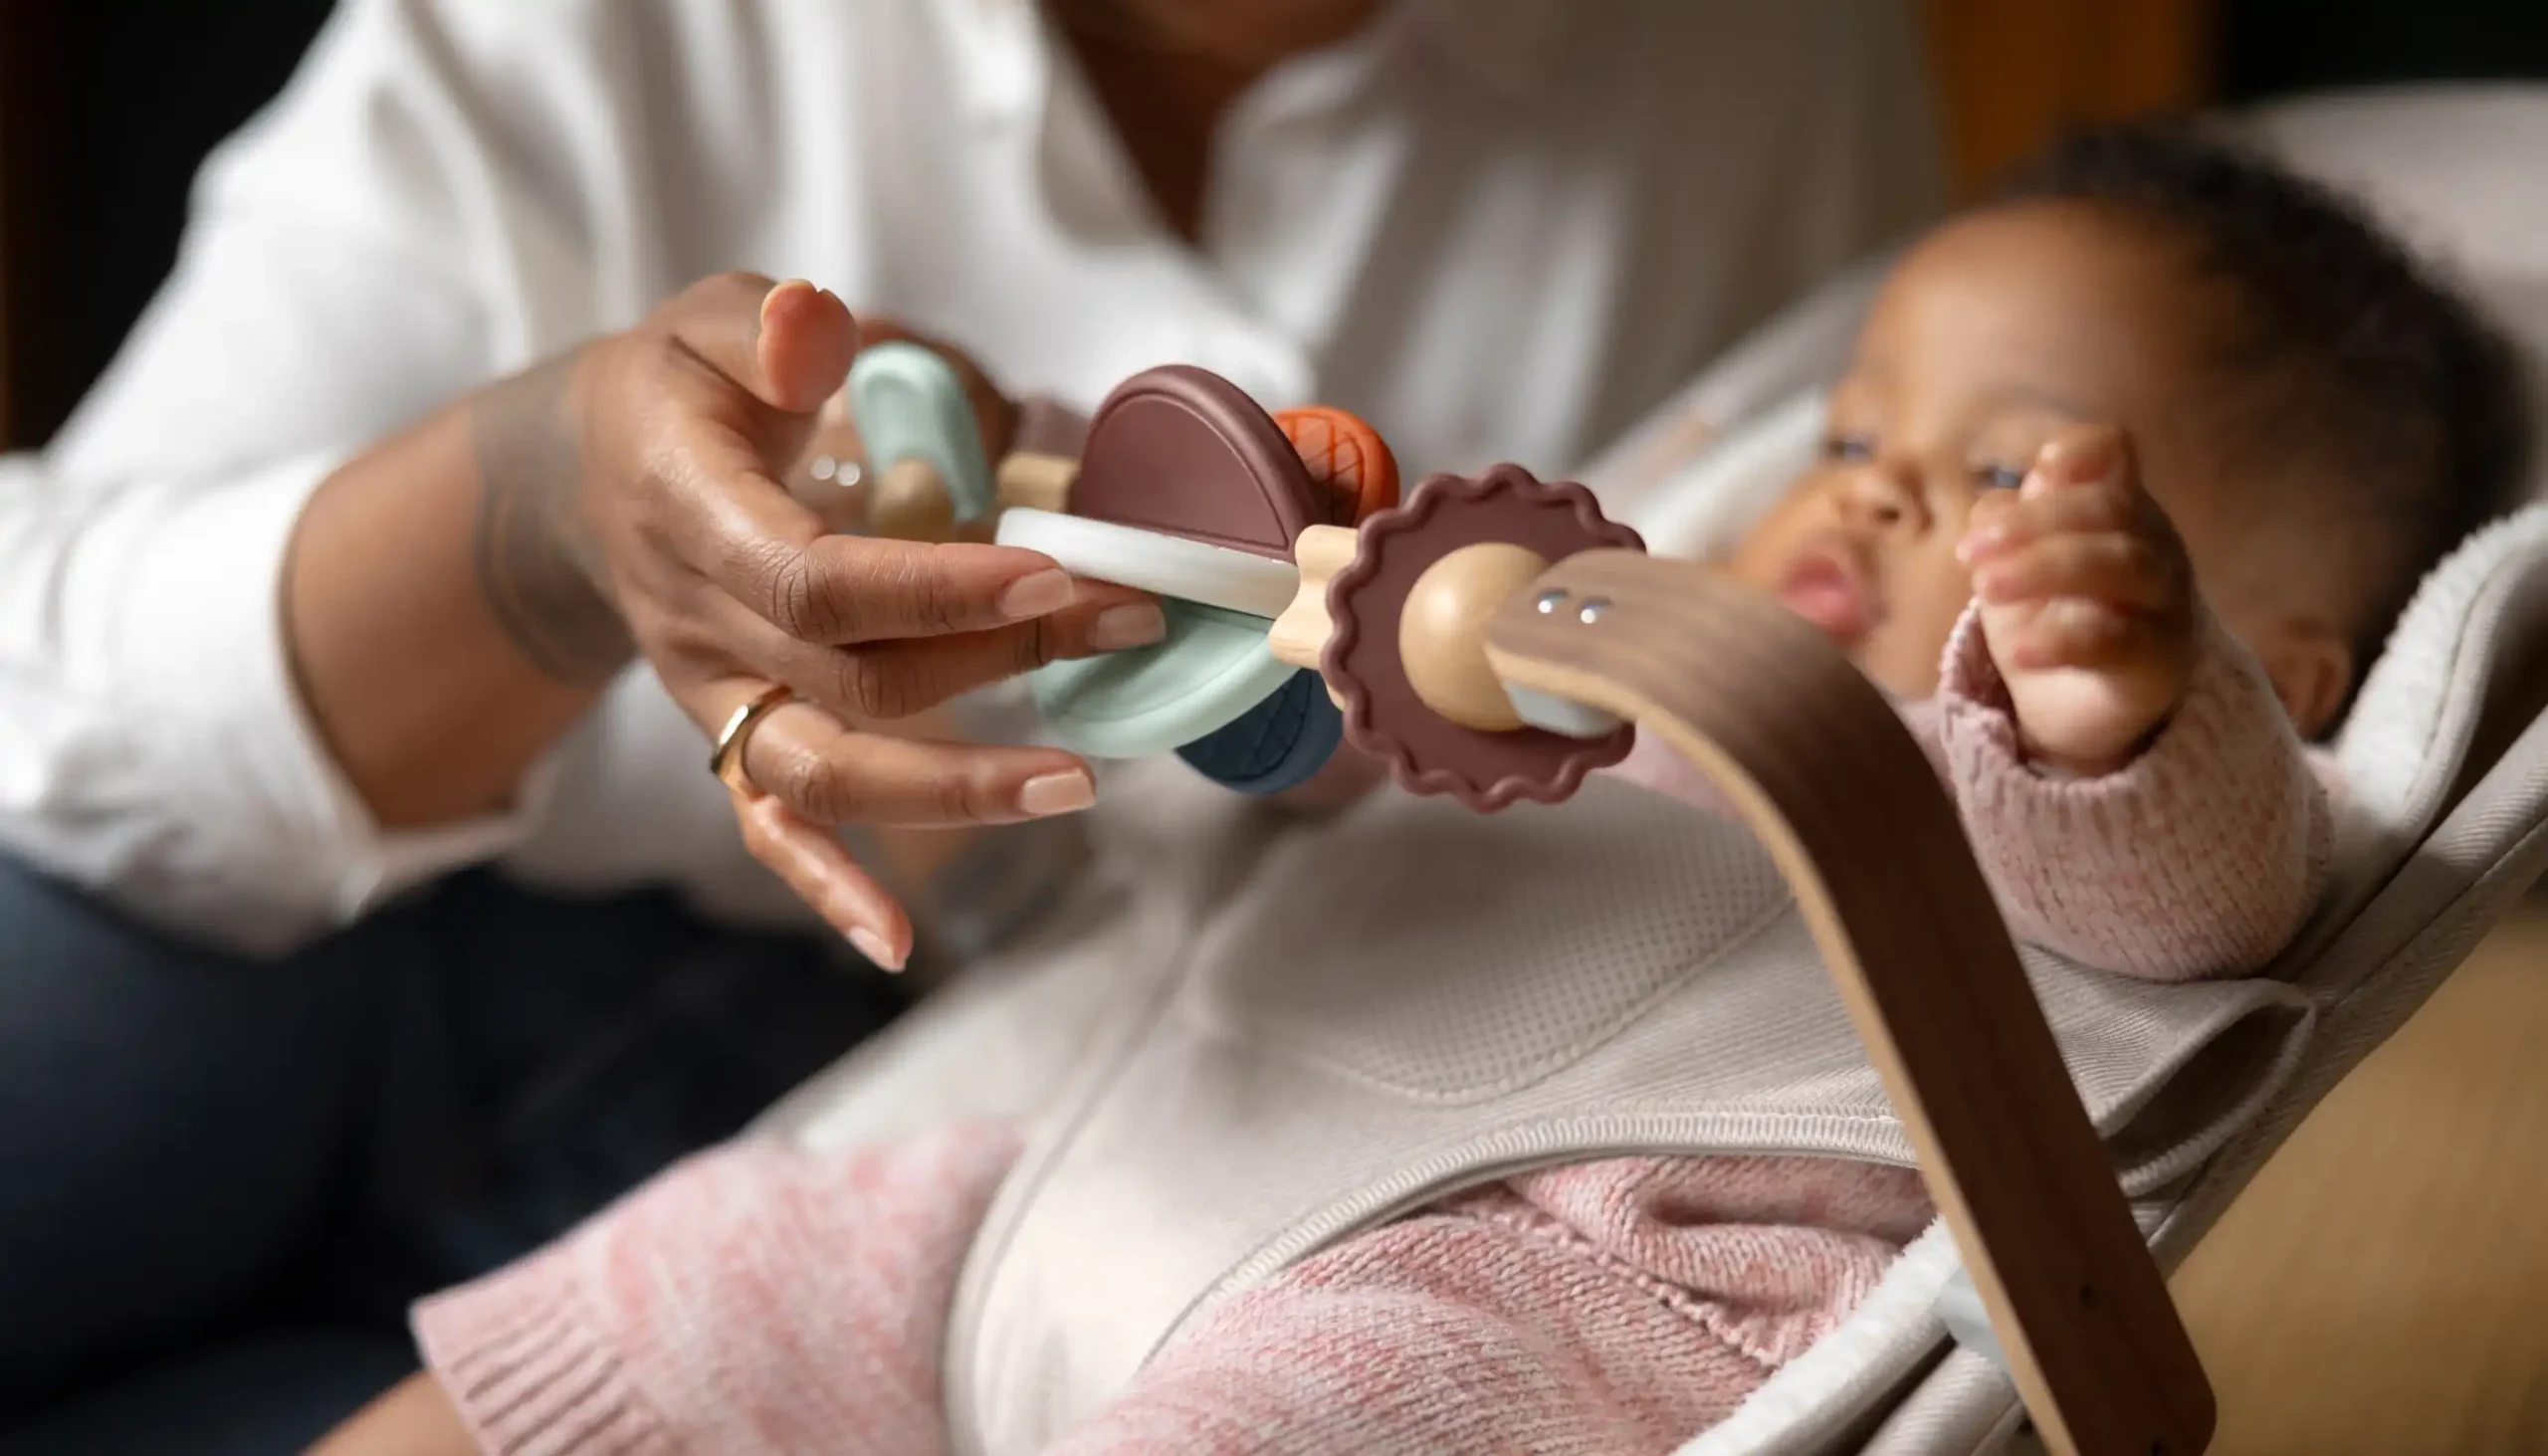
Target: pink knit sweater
x=764, y=1299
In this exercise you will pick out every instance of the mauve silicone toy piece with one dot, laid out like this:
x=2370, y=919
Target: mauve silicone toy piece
x=1426, y=752
x=1185, y=452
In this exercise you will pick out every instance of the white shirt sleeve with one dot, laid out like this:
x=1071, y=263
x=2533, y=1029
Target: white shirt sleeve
x=330, y=289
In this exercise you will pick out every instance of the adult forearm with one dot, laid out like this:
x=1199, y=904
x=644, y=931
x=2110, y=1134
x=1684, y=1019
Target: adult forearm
x=443, y=629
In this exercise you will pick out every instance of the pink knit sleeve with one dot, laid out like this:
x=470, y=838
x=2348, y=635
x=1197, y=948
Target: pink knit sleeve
x=1611, y=1308
x=2199, y=858
x=756, y=1298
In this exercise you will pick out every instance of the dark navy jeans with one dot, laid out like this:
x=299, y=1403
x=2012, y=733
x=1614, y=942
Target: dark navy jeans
x=221, y=1180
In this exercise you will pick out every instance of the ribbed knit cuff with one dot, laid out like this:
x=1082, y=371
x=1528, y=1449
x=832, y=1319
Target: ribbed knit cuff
x=2224, y=701
x=2197, y=858
x=517, y=1355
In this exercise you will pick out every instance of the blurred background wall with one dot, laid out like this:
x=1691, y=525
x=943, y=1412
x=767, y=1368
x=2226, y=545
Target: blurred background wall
x=106, y=106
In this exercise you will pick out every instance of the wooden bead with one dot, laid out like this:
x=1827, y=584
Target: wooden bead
x=1300, y=634
x=911, y=504
x=1441, y=632
x=1037, y=481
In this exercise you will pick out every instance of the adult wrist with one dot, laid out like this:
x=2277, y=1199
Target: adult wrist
x=539, y=561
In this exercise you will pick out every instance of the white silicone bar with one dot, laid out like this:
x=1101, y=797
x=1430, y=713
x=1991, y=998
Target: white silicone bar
x=1148, y=560
x=1556, y=714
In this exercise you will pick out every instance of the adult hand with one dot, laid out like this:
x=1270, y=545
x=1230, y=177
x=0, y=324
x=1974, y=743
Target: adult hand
x=730, y=586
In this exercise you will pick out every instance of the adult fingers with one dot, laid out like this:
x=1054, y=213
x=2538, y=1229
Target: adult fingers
x=889, y=681
x=815, y=865
x=754, y=359
x=718, y=511
x=786, y=345
x=845, y=590
x=828, y=773
x=883, y=681
x=729, y=516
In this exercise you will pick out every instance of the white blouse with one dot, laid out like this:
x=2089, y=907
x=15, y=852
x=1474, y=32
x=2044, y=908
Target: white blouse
x=1499, y=229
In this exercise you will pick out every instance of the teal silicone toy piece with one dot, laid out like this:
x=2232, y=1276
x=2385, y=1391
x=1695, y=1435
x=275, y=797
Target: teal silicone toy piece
x=1207, y=673
x=908, y=403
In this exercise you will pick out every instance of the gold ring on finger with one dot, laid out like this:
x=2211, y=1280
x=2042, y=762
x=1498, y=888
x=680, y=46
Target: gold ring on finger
x=726, y=760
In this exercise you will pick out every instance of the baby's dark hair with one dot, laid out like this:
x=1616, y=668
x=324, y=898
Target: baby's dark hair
x=2419, y=408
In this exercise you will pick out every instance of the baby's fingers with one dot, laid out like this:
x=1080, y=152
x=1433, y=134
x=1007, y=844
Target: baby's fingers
x=2110, y=569
x=2080, y=455
x=2069, y=632
x=2005, y=520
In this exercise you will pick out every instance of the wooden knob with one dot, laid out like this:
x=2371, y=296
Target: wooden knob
x=1441, y=634
x=911, y=504
x=1036, y=481
x=1300, y=634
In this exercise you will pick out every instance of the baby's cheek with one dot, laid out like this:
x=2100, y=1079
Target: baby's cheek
x=1766, y=549
x=1905, y=653
x=1902, y=664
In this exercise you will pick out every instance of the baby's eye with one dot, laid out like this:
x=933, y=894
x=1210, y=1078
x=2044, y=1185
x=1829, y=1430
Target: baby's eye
x=1848, y=447
x=1999, y=476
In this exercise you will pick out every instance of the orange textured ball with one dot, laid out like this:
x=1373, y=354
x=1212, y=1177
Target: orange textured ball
x=1347, y=457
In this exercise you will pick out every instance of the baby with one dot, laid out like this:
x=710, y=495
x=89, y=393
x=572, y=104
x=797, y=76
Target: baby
x=2130, y=474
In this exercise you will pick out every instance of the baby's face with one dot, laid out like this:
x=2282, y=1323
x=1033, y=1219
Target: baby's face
x=1997, y=330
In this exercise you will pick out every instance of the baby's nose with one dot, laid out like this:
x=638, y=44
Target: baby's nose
x=1880, y=496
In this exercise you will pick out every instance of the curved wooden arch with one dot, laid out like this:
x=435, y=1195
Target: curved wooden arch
x=1820, y=766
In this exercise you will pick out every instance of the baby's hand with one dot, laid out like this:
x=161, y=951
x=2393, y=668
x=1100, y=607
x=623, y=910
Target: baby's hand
x=2087, y=602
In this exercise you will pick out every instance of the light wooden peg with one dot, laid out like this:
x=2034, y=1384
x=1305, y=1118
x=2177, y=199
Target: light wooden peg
x=911, y=504
x=1300, y=634
x=1036, y=482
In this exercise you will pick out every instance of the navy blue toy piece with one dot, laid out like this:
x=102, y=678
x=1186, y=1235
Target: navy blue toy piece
x=1280, y=744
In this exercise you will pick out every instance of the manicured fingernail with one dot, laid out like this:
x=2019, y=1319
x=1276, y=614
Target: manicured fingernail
x=846, y=312
x=1117, y=628
x=1039, y=595
x=770, y=301
x=873, y=946
x=1056, y=793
